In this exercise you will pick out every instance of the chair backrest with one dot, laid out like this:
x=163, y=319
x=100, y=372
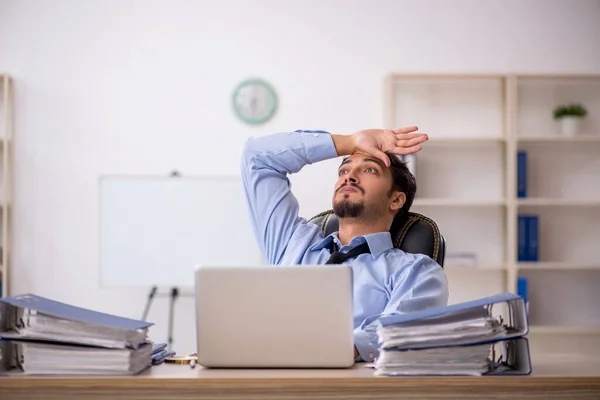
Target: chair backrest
x=413, y=234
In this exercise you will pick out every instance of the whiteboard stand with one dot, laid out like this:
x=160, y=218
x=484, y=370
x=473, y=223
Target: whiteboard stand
x=151, y=295
x=174, y=293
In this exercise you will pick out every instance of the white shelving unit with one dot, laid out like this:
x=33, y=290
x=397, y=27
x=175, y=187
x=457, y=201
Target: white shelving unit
x=467, y=183
x=5, y=179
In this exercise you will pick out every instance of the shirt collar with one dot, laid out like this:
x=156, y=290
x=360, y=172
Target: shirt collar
x=378, y=242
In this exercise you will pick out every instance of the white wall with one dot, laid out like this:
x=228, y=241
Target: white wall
x=144, y=87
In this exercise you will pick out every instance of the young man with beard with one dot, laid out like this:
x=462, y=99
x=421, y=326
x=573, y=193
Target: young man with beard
x=371, y=189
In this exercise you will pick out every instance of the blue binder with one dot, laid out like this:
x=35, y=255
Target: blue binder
x=521, y=174
x=528, y=237
x=70, y=312
x=522, y=239
x=509, y=346
x=26, y=357
x=533, y=242
x=21, y=316
x=516, y=304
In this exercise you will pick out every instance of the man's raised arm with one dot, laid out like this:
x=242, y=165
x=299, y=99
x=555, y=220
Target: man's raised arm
x=266, y=163
x=269, y=159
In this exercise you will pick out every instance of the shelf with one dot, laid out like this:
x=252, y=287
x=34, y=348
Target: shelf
x=465, y=140
x=558, y=329
x=457, y=203
x=547, y=265
x=541, y=201
x=559, y=77
x=560, y=139
x=429, y=77
x=467, y=180
x=439, y=103
x=474, y=268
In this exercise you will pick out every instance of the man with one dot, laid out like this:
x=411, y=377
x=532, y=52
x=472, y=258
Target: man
x=370, y=191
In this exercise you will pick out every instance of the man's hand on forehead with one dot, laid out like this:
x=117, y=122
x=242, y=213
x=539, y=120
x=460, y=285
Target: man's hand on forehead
x=377, y=142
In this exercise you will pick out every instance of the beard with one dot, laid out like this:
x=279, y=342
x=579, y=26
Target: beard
x=349, y=209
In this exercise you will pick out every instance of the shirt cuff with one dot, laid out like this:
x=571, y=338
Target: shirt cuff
x=366, y=345
x=318, y=144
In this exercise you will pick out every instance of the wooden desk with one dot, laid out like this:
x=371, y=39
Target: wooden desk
x=564, y=368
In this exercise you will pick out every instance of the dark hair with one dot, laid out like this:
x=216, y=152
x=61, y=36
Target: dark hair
x=402, y=180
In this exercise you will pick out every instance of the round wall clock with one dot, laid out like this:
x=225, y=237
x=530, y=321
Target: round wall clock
x=254, y=101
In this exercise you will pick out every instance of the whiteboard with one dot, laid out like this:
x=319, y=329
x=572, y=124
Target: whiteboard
x=155, y=230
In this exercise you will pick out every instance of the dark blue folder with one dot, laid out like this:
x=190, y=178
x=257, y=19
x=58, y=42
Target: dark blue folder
x=73, y=313
x=510, y=298
x=511, y=342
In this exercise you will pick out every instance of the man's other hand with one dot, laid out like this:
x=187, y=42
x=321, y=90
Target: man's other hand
x=377, y=142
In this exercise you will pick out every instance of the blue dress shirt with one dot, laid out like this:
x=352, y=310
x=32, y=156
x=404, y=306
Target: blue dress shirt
x=387, y=281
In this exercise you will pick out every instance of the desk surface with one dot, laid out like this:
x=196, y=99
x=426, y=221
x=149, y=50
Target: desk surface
x=563, y=367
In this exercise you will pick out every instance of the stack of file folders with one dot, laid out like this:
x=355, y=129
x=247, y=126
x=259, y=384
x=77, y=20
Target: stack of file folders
x=43, y=336
x=470, y=338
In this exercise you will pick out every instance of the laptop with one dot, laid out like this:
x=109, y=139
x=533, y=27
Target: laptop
x=297, y=316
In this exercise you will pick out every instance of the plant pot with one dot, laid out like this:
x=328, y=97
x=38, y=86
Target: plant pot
x=570, y=125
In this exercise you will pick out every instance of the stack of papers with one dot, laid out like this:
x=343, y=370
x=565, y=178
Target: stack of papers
x=462, y=339
x=43, y=336
x=466, y=360
x=54, y=359
x=458, y=328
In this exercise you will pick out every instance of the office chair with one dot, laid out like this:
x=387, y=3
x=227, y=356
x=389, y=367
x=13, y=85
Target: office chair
x=412, y=233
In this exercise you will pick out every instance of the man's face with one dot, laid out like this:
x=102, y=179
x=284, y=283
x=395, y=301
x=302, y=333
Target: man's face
x=363, y=189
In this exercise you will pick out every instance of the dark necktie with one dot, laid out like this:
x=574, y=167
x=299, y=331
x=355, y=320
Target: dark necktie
x=337, y=257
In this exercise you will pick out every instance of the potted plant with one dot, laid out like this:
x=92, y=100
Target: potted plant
x=569, y=116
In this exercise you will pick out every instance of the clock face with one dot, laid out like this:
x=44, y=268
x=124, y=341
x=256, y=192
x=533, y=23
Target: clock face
x=254, y=101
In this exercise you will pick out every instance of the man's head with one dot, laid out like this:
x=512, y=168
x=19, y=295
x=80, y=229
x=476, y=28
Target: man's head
x=367, y=190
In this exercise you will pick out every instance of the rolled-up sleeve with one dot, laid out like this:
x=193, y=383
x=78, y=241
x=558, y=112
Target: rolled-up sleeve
x=266, y=162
